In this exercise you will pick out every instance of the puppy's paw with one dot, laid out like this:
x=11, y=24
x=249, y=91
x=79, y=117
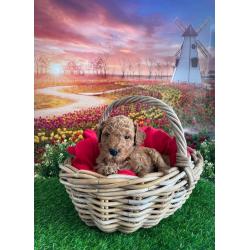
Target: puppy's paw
x=142, y=173
x=107, y=170
x=100, y=170
x=139, y=170
x=110, y=169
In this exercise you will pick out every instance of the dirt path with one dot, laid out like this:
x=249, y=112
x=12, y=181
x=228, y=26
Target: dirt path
x=81, y=100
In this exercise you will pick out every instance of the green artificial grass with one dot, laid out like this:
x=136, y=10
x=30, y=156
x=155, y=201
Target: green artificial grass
x=57, y=225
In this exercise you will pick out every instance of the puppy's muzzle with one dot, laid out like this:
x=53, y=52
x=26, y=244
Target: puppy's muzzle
x=113, y=152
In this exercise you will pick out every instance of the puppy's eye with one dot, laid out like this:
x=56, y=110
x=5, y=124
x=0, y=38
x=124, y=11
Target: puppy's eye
x=127, y=137
x=106, y=134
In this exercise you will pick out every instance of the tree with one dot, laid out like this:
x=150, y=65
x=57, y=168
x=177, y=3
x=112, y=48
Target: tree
x=105, y=58
x=122, y=64
x=131, y=68
x=159, y=70
x=93, y=65
x=169, y=64
x=138, y=66
x=150, y=64
x=100, y=65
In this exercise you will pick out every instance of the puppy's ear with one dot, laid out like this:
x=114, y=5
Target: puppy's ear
x=99, y=130
x=139, y=135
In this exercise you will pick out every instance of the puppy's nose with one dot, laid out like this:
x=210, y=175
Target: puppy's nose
x=113, y=152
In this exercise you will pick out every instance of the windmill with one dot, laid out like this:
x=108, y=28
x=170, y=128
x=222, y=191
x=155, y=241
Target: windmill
x=187, y=67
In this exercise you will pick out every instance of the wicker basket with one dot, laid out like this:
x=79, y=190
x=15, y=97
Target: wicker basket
x=126, y=203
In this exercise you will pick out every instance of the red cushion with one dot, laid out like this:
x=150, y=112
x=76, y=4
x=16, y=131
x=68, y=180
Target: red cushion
x=162, y=142
x=86, y=151
x=126, y=172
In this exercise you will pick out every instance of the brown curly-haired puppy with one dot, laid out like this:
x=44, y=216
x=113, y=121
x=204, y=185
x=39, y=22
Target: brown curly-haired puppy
x=120, y=141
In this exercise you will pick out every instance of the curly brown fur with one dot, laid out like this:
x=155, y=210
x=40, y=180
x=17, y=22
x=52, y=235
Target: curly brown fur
x=146, y=160
x=120, y=141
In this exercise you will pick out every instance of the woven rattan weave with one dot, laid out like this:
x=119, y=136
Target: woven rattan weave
x=127, y=203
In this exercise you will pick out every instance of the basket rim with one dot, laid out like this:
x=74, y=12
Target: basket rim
x=69, y=171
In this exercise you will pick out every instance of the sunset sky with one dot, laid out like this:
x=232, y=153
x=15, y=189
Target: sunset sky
x=81, y=30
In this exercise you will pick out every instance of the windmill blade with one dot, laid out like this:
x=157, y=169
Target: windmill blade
x=178, y=52
x=182, y=27
x=202, y=48
x=202, y=26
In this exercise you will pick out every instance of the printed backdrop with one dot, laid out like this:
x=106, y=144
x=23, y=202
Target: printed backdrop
x=89, y=53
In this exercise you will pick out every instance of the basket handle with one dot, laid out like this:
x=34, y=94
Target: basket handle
x=182, y=159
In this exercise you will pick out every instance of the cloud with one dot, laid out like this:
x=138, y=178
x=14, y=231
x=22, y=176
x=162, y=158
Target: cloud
x=53, y=24
x=82, y=29
x=110, y=13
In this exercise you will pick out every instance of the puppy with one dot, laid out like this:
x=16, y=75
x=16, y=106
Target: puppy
x=119, y=142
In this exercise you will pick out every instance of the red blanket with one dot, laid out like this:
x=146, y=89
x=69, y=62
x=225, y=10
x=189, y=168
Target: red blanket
x=86, y=151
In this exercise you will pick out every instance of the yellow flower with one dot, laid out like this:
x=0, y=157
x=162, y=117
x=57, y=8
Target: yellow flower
x=80, y=137
x=44, y=138
x=36, y=139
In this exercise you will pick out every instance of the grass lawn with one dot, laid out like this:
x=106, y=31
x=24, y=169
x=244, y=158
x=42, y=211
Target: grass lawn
x=50, y=101
x=57, y=225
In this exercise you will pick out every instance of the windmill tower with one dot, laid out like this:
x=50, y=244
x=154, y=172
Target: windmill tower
x=187, y=67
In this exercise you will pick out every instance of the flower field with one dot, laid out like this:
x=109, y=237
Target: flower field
x=193, y=105
x=136, y=90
